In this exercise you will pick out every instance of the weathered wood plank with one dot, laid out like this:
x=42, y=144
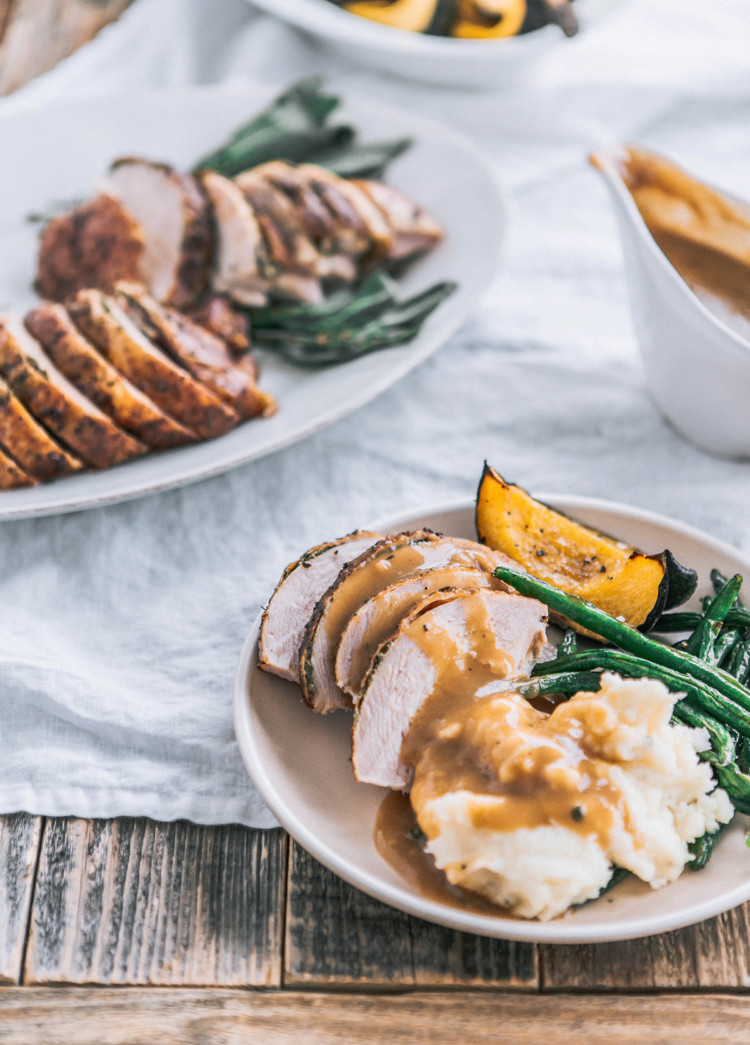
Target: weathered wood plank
x=713, y=955
x=336, y=935
x=136, y=902
x=232, y=1017
x=40, y=33
x=19, y=846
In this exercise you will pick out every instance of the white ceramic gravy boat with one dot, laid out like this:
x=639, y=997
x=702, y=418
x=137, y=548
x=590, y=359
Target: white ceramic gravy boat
x=698, y=368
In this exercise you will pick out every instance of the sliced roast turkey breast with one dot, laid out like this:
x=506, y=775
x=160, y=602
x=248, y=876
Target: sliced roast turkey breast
x=414, y=231
x=89, y=371
x=317, y=220
x=173, y=389
x=33, y=448
x=391, y=560
x=379, y=617
x=238, y=242
x=217, y=313
x=295, y=265
x=361, y=228
x=301, y=585
x=57, y=403
x=203, y=354
x=93, y=245
x=174, y=218
x=483, y=635
x=12, y=476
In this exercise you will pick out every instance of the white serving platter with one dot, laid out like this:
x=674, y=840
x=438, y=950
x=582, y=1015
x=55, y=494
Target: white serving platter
x=299, y=762
x=59, y=151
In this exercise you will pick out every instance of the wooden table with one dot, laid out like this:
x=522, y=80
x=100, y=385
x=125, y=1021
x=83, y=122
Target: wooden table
x=187, y=918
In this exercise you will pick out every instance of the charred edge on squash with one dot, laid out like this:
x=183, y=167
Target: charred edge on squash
x=676, y=585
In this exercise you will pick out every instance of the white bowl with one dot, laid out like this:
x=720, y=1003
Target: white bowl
x=436, y=59
x=698, y=368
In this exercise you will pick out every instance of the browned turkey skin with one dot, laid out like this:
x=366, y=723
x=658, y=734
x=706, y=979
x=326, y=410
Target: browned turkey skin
x=144, y=341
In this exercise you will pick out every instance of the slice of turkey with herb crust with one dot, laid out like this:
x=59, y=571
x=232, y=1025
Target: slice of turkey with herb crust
x=176, y=224
x=203, y=354
x=238, y=242
x=379, y=617
x=32, y=447
x=302, y=584
x=317, y=220
x=58, y=404
x=219, y=314
x=294, y=263
x=105, y=386
x=12, y=476
x=362, y=230
x=127, y=348
x=414, y=230
x=450, y=641
x=92, y=245
x=393, y=559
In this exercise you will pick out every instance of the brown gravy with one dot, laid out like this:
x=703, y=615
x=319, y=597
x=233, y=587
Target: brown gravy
x=704, y=234
x=397, y=839
x=467, y=736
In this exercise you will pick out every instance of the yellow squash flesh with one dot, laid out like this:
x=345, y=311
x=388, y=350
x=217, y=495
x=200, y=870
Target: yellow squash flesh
x=412, y=15
x=609, y=573
x=488, y=21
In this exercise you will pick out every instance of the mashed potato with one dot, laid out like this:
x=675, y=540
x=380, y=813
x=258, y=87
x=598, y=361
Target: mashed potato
x=603, y=781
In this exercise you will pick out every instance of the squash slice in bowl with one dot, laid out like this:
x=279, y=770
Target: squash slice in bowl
x=605, y=571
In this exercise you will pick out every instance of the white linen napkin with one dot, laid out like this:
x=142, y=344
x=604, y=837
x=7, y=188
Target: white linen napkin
x=120, y=628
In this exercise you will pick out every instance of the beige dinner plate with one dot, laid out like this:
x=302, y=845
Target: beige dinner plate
x=299, y=762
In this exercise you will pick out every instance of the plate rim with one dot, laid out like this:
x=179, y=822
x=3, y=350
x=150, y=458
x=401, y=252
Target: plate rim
x=555, y=931
x=427, y=343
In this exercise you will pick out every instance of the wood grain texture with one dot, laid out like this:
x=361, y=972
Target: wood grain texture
x=713, y=955
x=37, y=34
x=231, y=1017
x=338, y=936
x=19, y=846
x=136, y=902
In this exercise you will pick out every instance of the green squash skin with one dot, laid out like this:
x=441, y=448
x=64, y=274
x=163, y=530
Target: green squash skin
x=662, y=595
x=682, y=581
x=442, y=19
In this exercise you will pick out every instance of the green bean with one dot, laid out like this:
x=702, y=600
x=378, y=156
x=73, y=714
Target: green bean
x=703, y=847
x=738, y=663
x=723, y=750
x=569, y=682
x=742, y=759
x=588, y=616
x=689, y=710
x=701, y=642
x=724, y=646
x=707, y=698
x=737, y=786
x=619, y=874
x=718, y=580
x=687, y=620
x=723, y=739
x=568, y=645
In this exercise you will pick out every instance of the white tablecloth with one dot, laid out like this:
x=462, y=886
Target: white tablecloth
x=121, y=628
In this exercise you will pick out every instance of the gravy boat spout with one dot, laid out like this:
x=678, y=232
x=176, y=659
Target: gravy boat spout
x=697, y=364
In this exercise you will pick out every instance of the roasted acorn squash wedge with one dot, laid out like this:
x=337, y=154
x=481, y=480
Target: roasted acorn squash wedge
x=617, y=578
